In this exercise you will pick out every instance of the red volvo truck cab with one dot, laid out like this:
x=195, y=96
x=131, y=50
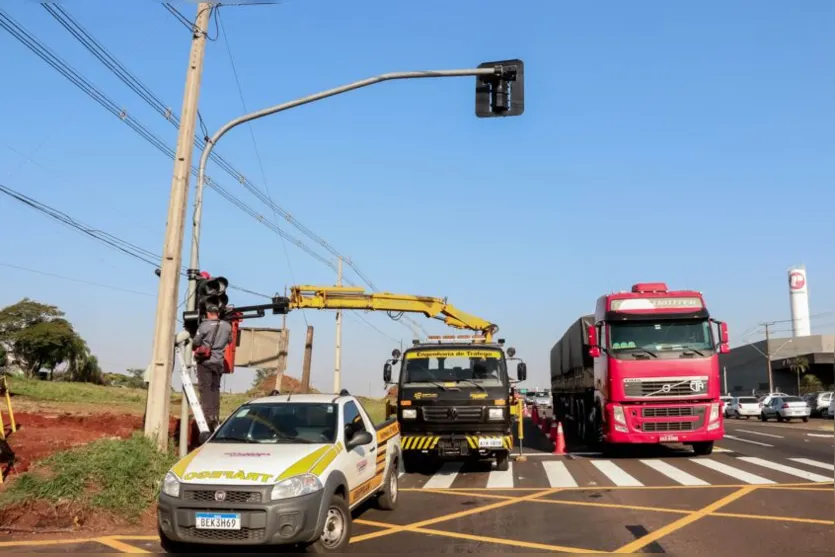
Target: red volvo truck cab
x=643, y=369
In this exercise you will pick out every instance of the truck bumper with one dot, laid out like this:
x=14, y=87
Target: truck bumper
x=457, y=444
x=291, y=521
x=667, y=423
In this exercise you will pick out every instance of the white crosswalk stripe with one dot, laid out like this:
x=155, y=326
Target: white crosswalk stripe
x=811, y=476
x=615, y=473
x=674, y=473
x=572, y=473
x=557, y=474
x=735, y=473
x=815, y=463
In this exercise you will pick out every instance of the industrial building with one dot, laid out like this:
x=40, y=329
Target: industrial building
x=776, y=364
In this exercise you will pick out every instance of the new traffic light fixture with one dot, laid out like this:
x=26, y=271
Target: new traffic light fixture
x=501, y=94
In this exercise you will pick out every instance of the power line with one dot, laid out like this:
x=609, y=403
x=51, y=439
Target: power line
x=71, y=279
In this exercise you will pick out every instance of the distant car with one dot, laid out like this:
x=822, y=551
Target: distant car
x=726, y=402
x=831, y=412
x=785, y=408
x=766, y=399
x=543, y=401
x=818, y=403
x=743, y=406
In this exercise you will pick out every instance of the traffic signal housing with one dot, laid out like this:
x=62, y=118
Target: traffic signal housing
x=502, y=94
x=212, y=292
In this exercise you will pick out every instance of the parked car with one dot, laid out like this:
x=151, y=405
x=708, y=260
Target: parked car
x=766, y=399
x=818, y=403
x=726, y=402
x=785, y=408
x=831, y=413
x=743, y=406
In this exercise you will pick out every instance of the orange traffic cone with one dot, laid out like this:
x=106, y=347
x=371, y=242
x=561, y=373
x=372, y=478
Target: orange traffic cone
x=558, y=438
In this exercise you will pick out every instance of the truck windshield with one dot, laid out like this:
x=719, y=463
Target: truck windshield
x=660, y=336
x=285, y=422
x=461, y=367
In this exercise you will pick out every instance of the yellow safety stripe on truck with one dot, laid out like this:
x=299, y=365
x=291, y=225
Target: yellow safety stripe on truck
x=388, y=432
x=364, y=489
x=326, y=459
x=179, y=469
x=424, y=442
x=314, y=463
x=472, y=353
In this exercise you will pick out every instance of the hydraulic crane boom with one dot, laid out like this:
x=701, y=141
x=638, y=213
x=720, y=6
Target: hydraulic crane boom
x=348, y=298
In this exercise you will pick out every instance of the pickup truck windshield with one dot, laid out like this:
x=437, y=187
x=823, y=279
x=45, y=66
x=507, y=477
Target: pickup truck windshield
x=463, y=367
x=660, y=336
x=285, y=422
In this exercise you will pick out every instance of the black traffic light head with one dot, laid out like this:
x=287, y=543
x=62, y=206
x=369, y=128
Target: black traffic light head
x=211, y=292
x=503, y=92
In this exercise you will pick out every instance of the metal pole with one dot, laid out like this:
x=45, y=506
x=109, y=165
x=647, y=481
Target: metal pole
x=768, y=359
x=156, y=411
x=337, y=380
x=207, y=149
x=725, y=372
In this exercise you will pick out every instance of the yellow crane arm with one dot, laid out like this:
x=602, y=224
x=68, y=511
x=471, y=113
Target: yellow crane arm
x=346, y=297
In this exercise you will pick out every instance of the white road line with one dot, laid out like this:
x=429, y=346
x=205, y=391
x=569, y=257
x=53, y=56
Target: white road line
x=615, y=473
x=674, y=473
x=826, y=435
x=811, y=476
x=558, y=474
x=815, y=463
x=747, y=441
x=501, y=480
x=721, y=450
x=758, y=433
x=735, y=473
x=444, y=477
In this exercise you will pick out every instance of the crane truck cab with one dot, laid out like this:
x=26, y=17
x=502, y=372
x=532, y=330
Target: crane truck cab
x=454, y=399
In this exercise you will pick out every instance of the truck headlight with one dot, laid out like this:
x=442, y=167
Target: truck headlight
x=714, y=413
x=171, y=485
x=295, y=487
x=619, y=415
x=409, y=413
x=495, y=413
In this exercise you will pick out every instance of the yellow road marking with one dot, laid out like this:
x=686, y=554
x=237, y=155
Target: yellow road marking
x=826, y=489
x=513, y=543
x=778, y=518
x=684, y=521
x=136, y=538
x=47, y=542
x=120, y=546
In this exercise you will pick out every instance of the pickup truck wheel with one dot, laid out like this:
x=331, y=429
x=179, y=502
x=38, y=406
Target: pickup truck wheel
x=502, y=461
x=805, y=418
x=170, y=546
x=337, y=530
x=390, y=495
x=703, y=448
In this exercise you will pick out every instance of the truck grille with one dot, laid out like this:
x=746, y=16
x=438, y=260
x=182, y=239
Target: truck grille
x=668, y=426
x=452, y=413
x=244, y=534
x=673, y=387
x=231, y=496
x=675, y=412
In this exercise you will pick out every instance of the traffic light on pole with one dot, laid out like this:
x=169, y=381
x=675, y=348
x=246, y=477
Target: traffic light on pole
x=212, y=292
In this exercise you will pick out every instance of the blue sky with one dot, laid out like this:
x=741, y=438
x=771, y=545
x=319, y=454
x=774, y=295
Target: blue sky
x=689, y=144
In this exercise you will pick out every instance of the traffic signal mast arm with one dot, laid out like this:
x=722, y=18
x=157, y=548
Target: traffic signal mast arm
x=343, y=297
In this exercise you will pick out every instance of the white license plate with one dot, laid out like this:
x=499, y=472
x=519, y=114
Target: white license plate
x=490, y=444
x=217, y=521
x=668, y=438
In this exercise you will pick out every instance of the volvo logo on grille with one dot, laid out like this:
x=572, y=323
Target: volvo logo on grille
x=220, y=496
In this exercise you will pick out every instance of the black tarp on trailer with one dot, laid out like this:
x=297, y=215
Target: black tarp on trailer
x=571, y=364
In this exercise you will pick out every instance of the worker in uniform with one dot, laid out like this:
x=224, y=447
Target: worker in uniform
x=209, y=345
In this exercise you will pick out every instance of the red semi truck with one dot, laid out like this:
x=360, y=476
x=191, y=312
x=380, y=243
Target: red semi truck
x=643, y=369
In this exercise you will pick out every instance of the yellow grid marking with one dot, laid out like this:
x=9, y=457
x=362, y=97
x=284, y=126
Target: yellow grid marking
x=634, y=546
x=120, y=546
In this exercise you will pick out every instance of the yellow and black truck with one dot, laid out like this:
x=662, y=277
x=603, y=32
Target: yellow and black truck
x=454, y=399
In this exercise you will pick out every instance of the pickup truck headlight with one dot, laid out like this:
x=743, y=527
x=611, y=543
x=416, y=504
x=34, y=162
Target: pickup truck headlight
x=409, y=413
x=495, y=413
x=171, y=485
x=295, y=487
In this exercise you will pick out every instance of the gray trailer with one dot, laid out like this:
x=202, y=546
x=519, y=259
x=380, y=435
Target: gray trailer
x=572, y=378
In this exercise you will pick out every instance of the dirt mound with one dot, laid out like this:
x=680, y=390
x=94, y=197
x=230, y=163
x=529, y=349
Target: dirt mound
x=43, y=516
x=41, y=435
x=288, y=385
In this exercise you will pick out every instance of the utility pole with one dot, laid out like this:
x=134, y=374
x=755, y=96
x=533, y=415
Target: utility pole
x=283, y=346
x=337, y=369
x=725, y=372
x=768, y=357
x=157, y=404
x=308, y=353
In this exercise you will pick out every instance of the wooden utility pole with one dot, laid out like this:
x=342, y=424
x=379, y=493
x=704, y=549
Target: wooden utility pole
x=162, y=363
x=308, y=353
x=337, y=369
x=283, y=345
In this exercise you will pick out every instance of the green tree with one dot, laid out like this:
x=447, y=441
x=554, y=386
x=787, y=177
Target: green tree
x=260, y=375
x=799, y=365
x=23, y=315
x=46, y=345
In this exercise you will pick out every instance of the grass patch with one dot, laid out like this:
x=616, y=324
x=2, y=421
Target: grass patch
x=376, y=408
x=117, y=475
x=63, y=391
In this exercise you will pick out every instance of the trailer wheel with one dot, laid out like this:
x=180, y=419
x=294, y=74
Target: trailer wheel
x=503, y=461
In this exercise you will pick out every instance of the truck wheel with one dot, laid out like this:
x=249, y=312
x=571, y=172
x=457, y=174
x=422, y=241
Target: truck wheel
x=502, y=461
x=389, y=497
x=703, y=449
x=805, y=418
x=337, y=531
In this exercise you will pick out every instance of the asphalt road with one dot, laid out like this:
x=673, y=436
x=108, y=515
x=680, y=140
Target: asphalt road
x=768, y=488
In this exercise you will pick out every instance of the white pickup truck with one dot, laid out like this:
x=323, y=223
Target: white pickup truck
x=281, y=470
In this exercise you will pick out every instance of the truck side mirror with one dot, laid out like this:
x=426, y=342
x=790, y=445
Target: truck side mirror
x=521, y=371
x=387, y=373
x=594, y=349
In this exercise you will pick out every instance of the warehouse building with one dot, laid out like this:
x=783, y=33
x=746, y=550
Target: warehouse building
x=745, y=368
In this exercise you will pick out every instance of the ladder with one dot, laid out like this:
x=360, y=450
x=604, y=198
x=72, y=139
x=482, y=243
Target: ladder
x=191, y=394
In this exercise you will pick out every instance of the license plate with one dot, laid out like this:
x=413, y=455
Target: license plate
x=489, y=443
x=668, y=438
x=217, y=521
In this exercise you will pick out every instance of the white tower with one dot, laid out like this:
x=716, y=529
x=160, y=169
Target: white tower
x=799, y=298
